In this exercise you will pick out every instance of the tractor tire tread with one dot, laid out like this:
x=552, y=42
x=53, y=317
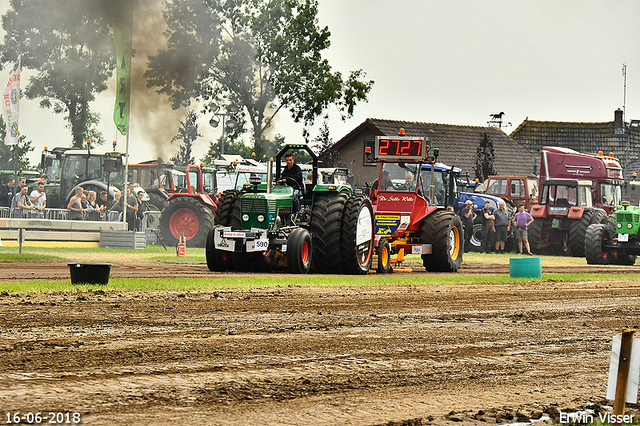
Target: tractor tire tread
x=435, y=231
x=326, y=231
x=577, y=231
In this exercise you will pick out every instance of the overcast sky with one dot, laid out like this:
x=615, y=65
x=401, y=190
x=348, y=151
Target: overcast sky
x=451, y=62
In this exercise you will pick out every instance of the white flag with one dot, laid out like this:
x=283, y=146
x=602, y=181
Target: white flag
x=10, y=107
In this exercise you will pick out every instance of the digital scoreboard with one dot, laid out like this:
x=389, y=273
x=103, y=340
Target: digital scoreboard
x=400, y=148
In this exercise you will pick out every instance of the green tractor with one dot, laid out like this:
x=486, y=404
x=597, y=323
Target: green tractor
x=257, y=229
x=616, y=242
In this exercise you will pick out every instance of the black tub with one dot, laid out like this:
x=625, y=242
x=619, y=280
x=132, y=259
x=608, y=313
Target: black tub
x=89, y=273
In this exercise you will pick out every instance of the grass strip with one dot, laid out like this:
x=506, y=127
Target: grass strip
x=226, y=282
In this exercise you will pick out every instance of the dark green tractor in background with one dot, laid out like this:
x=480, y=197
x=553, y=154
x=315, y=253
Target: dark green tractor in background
x=257, y=229
x=616, y=242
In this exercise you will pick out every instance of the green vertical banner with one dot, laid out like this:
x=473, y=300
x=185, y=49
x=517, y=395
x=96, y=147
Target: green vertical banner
x=122, y=36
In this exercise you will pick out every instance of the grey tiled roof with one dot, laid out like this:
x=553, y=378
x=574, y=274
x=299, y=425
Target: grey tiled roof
x=458, y=144
x=581, y=137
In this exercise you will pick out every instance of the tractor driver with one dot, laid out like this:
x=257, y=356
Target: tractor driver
x=294, y=174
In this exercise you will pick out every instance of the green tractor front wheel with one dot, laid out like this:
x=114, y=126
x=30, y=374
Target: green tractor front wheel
x=299, y=251
x=217, y=260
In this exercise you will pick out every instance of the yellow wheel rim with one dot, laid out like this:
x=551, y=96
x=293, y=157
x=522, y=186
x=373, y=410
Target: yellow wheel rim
x=454, y=242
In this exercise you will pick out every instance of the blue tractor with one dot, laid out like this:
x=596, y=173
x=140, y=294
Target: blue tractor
x=448, y=186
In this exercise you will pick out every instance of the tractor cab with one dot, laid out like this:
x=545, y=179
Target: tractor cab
x=244, y=174
x=65, y=169
x=563, y=197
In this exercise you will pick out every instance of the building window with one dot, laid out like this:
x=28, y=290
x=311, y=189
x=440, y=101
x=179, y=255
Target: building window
x=367, y=160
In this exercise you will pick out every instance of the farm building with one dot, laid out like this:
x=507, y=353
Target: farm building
x=458, y=147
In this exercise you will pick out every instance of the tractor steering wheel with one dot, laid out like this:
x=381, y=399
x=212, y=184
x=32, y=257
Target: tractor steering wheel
x=290, y=182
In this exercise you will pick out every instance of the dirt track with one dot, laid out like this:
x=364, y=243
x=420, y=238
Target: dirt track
x=308, y=356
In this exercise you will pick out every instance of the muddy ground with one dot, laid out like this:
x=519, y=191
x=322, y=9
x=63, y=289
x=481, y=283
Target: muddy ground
x=406, y=355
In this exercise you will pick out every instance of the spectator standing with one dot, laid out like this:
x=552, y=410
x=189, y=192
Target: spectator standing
x=502, y=226
x=5, y=193
x=117, y=206
x=93, y=209
x=38, y=199
x=132, y=209
x=84, y=200
x=92, y=201
x=487, y=227
x=22, y=181
x=103, y=201
x=522, y=221
x=142, y=207
x=468, y=216
x=21, y=203
x=75, y=205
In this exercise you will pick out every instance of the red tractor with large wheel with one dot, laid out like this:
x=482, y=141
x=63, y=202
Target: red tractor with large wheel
x=562, y=217
x=409, y=212
x=576, y=190
x=188, y=213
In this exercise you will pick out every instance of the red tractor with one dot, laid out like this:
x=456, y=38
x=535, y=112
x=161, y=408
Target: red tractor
x=409, y=212
x=562, y=217
x=188, y=213
x=576, y=190
x=155, y=178
x=604, y=172
x=516, y=190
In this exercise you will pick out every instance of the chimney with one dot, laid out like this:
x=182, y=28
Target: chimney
x=617, y=119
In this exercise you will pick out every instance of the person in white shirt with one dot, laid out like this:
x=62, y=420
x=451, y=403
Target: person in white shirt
x=38, y=199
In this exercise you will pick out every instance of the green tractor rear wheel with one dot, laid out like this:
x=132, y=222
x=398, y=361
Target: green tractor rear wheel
x=326, y=226
x=223, y=211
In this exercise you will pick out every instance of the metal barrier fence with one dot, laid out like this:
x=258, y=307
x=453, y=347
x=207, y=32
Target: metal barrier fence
x=54, y=226
x=57, y=214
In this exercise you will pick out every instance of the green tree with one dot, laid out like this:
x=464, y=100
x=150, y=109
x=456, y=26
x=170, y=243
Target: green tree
x=68, y=44
x=23, y=148
x=322, y=145
x=484, y=158
x=187, y=134
x=264, y=56
x=232, y=147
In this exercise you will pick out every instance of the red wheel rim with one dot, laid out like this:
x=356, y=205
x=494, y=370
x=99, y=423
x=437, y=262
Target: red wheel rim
x=305, y=252
x=184, y=221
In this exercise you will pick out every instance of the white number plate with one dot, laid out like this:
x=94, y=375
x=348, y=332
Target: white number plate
x=623, y=238
x=262, y=244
